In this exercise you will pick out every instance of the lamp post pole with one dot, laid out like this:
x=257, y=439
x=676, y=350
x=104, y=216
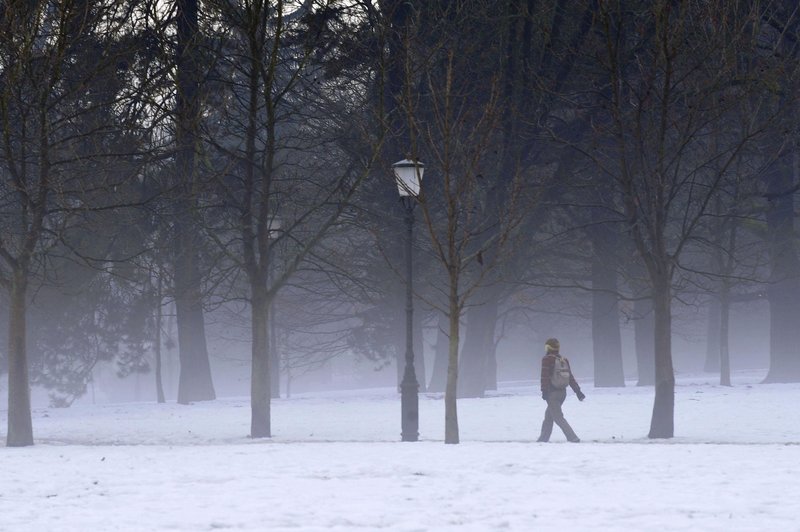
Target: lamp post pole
x=273, y=232
x=408, y=175
x=409, y=387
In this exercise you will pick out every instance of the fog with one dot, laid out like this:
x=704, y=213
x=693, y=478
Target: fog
x=519, y=351
x=287, y=257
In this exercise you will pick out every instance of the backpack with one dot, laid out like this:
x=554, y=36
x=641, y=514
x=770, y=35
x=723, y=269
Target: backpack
x=561, y=374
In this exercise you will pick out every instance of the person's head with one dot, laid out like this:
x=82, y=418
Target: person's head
x=552, y=345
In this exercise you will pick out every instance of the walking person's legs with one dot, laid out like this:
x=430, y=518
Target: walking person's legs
x=547, y=425
x=554, y=414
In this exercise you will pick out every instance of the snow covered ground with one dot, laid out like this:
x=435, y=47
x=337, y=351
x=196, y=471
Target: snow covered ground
x=335, y=464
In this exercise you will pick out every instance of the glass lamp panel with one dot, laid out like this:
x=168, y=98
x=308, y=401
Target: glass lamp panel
x=408, y=175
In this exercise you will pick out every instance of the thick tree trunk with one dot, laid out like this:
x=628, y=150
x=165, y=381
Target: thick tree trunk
x=606, y=341
x=260, y=372
x=490, y=371
x=157, y=343
x=784, y=332
x=606, y=337
x=644, y=333
x=662, y=424
x=724, y=323
x=784, y=290
x=713, y=337
x=274, y=357
x=20, y=426
x=441, y=356
x=195, y=382
x=478, y=342
x=491, y=366
x=450, y=401
x=419, y=352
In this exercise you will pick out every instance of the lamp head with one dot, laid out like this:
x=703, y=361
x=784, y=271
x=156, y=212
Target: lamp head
x=408, y=176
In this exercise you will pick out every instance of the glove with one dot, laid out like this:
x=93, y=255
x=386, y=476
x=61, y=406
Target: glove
x=581, y=396
x=544, y=396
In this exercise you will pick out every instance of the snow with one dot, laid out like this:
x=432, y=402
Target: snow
x=334, y=463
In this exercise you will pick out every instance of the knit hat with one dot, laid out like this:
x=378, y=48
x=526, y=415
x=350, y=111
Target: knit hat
x=552, y=344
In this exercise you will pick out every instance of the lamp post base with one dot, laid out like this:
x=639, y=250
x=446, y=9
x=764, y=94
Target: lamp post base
x=409, y=406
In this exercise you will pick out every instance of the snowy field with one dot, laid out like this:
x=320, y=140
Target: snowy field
x=335, y=464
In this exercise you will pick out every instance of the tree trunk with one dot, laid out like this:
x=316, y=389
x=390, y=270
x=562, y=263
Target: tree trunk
x=478, y=342
x=157, y=343
x=606, y=338
x=20, y=426
x=419, y=352
x=784, y=289
x=784, y=333
x=606, y=341
x=713, y=337
x=662, y=424
x=274, y=357
x=450, y=403
x=490, y=371
x=440, y=362
x=724, y=323
x=260, y=372
x=491, y=366
x=195, y=382
x=644, y=332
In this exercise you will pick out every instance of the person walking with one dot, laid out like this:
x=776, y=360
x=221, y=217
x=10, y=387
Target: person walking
x=556, y=376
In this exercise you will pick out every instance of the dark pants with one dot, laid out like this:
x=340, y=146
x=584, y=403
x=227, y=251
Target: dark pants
x=554, y=414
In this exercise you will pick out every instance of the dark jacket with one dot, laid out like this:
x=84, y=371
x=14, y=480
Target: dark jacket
x=548, y=363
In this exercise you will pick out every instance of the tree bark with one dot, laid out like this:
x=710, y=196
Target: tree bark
x=491, y=366
x=440, y=362
x=20, y=426
x=157, y=342
x=195, y=382
x=450, y=402
x=274, y=356
x=478, y=342
x=606, y=337
x=419, y=352
x=783, y=292
x=662, y=424
x=724, y=324
x=644, y=333
x=712, y=364
x=260, y=373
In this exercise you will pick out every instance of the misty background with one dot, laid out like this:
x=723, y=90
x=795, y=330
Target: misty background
x=197, y=198
x=519, y=353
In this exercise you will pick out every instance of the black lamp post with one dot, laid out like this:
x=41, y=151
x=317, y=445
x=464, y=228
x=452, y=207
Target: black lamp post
x=273, y=232
x=408, y=175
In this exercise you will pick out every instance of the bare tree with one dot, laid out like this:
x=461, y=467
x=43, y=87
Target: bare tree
x=280, y=180
x=195, y=382
x=670, y=85
x=60, y=70
x=453, y=113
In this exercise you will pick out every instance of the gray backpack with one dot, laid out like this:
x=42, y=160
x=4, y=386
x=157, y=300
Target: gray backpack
x=560, y=377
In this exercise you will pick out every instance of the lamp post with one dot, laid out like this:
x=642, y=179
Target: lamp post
x=273, y=232
x=408, y=175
